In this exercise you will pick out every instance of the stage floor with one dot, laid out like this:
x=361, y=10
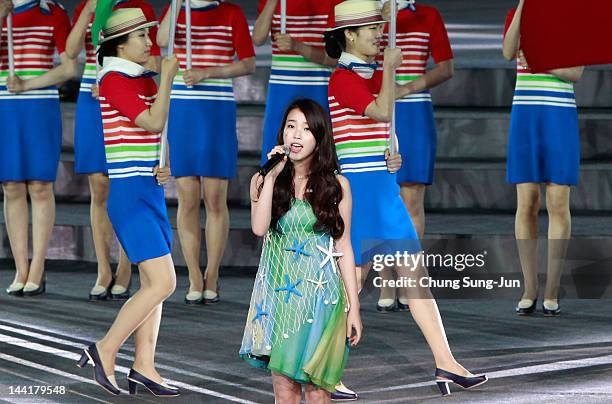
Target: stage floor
x=528, y=359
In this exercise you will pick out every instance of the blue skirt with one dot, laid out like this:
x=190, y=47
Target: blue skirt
x=417, y=136
x=30, y=139
x=202, y=138
x=380, y=223
x=543, y=145
x=89, y=155
x=137, y=211
x=279, y=98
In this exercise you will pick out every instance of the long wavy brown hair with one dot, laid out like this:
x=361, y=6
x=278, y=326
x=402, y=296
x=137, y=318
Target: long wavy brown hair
x=323, y=190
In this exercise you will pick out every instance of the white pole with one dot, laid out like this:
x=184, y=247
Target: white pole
x=188, y=33
x=96, y=59
x=164, y=137
x=9, y=33
x=283, y=12
x=392, y=44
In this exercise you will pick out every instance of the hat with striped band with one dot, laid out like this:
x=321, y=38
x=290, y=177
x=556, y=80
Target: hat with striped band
x=123, y=21
x=355, y=13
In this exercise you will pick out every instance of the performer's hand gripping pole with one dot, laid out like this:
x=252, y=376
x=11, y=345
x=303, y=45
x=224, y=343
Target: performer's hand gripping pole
x=283, y=16
x=392, y=44
x=163, y=154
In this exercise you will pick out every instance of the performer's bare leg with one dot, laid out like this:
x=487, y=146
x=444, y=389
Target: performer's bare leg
x=43, y=218
x=190, y=232
x=16, y=218
x=158, y=282
x=103, y=234
x=413, y=196
x=526, y=232
x=559, y=231
x=217, y=228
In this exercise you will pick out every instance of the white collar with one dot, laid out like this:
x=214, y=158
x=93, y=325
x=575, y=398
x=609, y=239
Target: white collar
x=357, y=65
x=120, y=65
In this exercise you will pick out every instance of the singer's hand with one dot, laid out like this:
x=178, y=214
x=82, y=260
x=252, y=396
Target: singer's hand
x=284, y=42
x=279, y=167
x=15, y=84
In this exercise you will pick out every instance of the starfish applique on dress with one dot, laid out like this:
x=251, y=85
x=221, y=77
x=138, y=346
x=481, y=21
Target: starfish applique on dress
x=289, y=288
x=298, y=248
x=330, y=255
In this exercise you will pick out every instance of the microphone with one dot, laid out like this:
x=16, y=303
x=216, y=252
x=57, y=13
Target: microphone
x=274, y=160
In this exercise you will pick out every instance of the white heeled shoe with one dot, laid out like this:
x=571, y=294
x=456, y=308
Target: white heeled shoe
x=15, y=289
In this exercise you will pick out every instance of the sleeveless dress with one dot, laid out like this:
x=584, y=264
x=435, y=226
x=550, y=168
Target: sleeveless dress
x=296, y=325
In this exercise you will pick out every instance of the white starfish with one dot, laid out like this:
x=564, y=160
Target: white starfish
x=329, y=255
x=318, y=283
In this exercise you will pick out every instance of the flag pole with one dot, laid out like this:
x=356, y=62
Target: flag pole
x=163, y=153
x=283, y=16
x=11, y=53
x=392, y=45
x=188, y=33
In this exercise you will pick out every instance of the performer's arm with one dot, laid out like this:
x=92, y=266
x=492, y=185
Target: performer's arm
x=240, y=68
x=66, y=70
x=442, y=72
x=6, y=6
x=154, y=118
x=76, y=39
x=513, y=35
x=164, y=28
x=263, y=23
x=347, y=264
x=317, y=55
x=381, y=109
x=571, y=74
x=262, y=191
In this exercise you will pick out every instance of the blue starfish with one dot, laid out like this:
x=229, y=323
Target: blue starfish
x=260, y=312
x=289, y=288
x=298, y=249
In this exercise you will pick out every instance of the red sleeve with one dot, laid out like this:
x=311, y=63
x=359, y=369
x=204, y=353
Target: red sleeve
x=122, y=93
x=150, y=15
x=243, y=43
x=509, y=19
x=351, y=91
x=61, y=28
x=78, y=11
x=440, y=45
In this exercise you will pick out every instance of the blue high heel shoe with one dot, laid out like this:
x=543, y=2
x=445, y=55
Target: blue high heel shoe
x=90, y=354
x=524, y=311
x=443, y=378
x=158, y=390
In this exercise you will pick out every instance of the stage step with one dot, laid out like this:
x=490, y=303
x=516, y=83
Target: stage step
x=71, y=239
x=463, y=133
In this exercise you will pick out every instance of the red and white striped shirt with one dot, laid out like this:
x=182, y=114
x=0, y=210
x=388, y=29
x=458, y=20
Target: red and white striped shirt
x=217, y=35
x=36, y=36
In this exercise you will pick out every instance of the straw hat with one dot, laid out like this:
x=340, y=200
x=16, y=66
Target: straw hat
x=355, y=13
x=123, y=21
